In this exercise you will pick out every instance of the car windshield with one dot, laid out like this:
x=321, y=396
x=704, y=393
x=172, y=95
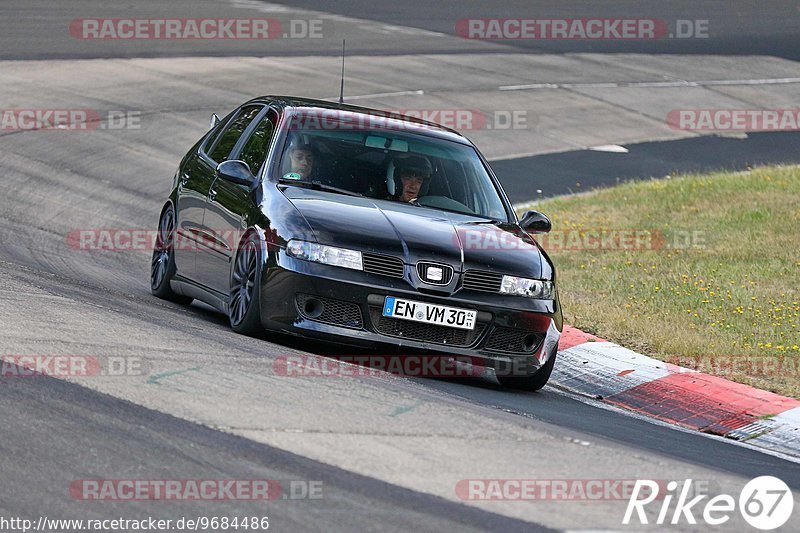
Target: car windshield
x=383, y=160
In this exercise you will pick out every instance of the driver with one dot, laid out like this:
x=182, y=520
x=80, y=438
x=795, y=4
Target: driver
x=412, y=171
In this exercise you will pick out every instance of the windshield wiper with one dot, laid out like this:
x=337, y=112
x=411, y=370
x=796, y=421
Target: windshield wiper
x=319, y=186
x=486, y=220
x=322, y=186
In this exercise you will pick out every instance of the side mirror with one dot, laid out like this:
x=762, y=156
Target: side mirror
x=535, y=222
x=214, y=120
x=236, y=172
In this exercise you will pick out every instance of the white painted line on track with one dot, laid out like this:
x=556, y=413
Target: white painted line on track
x=649, y=84
x=612, y=148
x=378, y=95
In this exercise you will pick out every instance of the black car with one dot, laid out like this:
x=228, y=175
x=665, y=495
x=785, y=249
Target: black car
x=361, y=228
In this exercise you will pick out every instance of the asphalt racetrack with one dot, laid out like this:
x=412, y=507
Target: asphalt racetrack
x=387, y=452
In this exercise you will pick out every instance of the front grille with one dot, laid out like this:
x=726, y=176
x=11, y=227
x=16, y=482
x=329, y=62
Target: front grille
x=335, y=312
x=480, y=280
x=422, y=272
x=383, y=265
x=512, y=340
x=417, y=331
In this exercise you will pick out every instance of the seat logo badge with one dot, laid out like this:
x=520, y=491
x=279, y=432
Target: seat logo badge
x=434, y=273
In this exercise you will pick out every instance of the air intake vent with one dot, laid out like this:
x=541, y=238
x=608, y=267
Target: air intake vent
x=511, y=340
x=479, y=280
x=383, y=265
x=330, y=311
x=416, y=331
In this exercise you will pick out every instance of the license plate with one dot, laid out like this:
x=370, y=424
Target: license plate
x=441, y=315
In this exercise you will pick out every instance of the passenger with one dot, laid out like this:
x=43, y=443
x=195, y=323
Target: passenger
x=301, y=157
x=410, y=174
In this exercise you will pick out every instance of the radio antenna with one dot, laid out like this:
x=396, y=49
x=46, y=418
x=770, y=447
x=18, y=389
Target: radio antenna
x=341, y=86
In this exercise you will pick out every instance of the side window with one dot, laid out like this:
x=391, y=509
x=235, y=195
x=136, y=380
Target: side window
x=255, y=148
x=227, y=140
x=214, y=133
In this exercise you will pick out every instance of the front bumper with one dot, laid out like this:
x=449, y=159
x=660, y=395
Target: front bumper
x=343, y=306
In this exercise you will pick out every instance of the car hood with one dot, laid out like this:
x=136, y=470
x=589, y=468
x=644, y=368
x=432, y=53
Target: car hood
x=416, y=233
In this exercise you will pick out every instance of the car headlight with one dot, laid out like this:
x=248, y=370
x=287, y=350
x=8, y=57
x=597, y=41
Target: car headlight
x=328, y=255
x=532, y=288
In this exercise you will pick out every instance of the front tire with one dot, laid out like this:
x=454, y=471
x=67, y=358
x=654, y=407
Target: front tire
x=531, y=383
x=244, y=307
x=162, y=265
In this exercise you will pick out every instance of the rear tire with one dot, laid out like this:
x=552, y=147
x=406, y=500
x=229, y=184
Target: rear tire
x=162, y=265
x=244, y=307
x=531, y=383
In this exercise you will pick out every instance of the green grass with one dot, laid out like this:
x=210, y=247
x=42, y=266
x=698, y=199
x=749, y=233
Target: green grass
x=719, y=287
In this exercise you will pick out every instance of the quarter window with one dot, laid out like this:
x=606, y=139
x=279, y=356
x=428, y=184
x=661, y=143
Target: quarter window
x=255, y=148
x=230, y=136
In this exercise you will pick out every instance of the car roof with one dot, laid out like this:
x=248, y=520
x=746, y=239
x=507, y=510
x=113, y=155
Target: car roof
x=407, y=123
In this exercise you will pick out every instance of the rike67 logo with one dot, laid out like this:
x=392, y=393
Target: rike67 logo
x=765, y=503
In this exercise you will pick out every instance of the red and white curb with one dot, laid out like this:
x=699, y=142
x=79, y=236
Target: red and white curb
x=603, y=370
